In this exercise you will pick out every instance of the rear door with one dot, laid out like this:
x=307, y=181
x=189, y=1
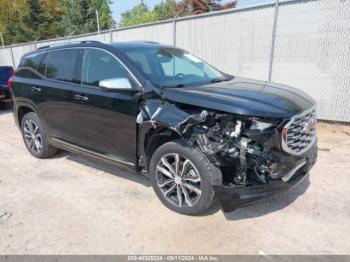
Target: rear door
x=104, y=122
x=27, y=85
x=57, y=109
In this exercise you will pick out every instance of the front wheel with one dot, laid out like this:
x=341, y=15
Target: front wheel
x=183, y=178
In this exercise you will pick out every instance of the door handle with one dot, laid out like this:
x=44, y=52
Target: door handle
x=81, y=97
x=36, y=89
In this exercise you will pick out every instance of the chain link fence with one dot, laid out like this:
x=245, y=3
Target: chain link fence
x=302, y=43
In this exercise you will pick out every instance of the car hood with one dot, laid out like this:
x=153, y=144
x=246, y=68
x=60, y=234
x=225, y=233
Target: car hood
x=244, y=97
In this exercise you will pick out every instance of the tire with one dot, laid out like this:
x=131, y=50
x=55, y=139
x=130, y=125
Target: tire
x=197, y=167
x=31, y=125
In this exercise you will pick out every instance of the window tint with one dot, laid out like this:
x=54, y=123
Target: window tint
x=42, y=66
x=99, y=65
x=33, y=61
x=61, y=65
x=27, y=73
x=172, y=67
x=140, y=61
x=177, y=65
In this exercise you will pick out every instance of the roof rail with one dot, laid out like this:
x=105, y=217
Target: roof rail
x=69, y=43
x=151, y=42
x=142, y=41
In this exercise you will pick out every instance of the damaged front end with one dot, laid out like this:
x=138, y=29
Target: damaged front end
x=247, y=150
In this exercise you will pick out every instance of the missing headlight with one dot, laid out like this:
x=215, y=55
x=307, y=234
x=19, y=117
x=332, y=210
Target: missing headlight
x=262, y=124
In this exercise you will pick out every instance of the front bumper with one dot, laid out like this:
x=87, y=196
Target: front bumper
x=233, y=197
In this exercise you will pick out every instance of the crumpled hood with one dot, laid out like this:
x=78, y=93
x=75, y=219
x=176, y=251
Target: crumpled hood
x=245, y=97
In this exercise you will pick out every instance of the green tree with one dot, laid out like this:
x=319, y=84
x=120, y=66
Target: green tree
x=30, y=20
x=39, y=22
x=105, y=14
x=72, y=20
x=195, y=7
x=10, y=18
x=170, y=9
x=139, y=14
x=79, y=16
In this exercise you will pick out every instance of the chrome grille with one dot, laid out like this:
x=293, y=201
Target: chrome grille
x=299, y=134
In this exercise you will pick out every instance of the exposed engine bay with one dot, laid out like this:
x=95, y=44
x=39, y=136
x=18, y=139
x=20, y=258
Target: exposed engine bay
x=227, y=143
x=237, y=145
x=248, y=150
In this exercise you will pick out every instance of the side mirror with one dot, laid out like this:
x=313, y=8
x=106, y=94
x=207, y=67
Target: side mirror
x=116, y=85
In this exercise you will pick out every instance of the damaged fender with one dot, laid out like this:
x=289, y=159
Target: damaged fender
x=156, y=116
x=250, y=161
x=168, y=115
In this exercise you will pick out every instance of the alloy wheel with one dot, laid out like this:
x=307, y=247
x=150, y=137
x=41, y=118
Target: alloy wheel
x=178, y=180
x=32, y=136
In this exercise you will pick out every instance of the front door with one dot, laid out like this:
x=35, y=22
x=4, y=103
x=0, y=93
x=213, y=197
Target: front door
x=104, y=122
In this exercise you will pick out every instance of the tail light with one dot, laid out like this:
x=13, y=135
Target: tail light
x=9, y=82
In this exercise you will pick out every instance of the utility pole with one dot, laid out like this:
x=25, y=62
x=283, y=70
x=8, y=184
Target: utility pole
x=2, y=40
x=273, y=40
x=98, y=21
x=162, y=13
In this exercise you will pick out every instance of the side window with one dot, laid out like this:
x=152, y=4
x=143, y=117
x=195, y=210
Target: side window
x=42, y=66
x=27, y=73
x=61, y=65
x=98, y=65
x=141, y=62
x=33, y=61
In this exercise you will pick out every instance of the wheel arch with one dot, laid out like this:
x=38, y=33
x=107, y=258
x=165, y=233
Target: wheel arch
x=22, y=109
x=160, y=122
x=150, y=139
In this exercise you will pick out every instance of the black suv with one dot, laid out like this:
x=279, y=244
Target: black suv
x=198, y=133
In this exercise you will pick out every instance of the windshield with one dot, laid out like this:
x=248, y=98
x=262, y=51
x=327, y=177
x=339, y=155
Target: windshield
x=171, y=67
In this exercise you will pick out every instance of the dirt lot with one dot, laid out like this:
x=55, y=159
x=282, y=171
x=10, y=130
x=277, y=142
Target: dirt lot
x=72, y=205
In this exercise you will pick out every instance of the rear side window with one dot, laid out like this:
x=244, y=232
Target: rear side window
x=33, y=61
x=61, y=65
x=42, y=66
x=27, y=73
x=99, y=65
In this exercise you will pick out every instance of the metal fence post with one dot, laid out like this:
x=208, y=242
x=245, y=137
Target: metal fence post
x=111, y=36
x=2, y=41
x=13, y=59
x=174, y=33
x=273, y=40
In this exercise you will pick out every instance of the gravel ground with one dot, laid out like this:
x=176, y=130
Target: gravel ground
x=73, y=205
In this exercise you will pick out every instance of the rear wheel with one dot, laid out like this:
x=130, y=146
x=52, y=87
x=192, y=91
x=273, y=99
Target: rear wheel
x=34, y=137
x=182, y=178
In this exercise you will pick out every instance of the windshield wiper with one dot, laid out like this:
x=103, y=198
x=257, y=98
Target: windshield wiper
x=217, y=80
x=172, y=86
